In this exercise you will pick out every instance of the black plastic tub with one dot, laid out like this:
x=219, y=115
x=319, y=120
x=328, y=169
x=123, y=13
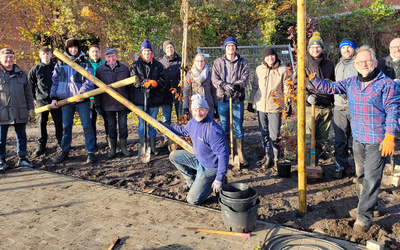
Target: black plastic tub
x=241, y=222
x=236, y=190
x=240, y=205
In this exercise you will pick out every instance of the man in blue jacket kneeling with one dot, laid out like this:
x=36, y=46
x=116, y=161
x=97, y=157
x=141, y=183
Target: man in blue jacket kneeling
x=210, y=158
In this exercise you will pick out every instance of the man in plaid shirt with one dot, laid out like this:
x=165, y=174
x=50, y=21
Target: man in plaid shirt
x=374, y=101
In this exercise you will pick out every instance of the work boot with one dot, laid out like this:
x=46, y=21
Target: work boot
x=91, y=159
x=361, y=226
x=113, y=148
x=266, y=162
x=122, y=145
x=239, y=148
x=40, y=150
x=339, y=171
x=3, y=164
x=62, y=157
x=153, y=145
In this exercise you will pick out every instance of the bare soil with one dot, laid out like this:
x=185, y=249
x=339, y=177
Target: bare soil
x=328, y=200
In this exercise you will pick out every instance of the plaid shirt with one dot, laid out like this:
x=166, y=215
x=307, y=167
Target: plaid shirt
x=374, y=108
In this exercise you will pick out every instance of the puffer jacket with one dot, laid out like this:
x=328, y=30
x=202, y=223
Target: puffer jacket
x=172, y=71
x=145, y=71
x=108, y=76
x=68, y=82
x=390, y=68
x=16, y=98
x=343, y=70
x=269, y=83
x=237, y=70
x=40, y=78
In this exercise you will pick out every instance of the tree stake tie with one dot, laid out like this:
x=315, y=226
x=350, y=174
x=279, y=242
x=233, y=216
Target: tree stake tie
x=245, y=235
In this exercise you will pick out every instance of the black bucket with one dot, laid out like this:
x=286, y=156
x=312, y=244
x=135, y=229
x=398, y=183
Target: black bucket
x=284, y=168
x=236, y=190
x=240, y=205
x=242, y=222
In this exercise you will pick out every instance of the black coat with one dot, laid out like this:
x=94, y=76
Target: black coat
x=389, y=68
x=40, y=78
x=172, y=71
x=154, y=71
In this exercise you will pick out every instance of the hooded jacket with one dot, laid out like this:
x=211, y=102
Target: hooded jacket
x=16, y=98
x=68, y=82
x=172, y=66
x=230, y=72
x=40, y=78
x=153, y=70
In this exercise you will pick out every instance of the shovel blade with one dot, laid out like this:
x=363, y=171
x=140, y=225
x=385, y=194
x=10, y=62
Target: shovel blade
x=234, y=162
x=144, y=153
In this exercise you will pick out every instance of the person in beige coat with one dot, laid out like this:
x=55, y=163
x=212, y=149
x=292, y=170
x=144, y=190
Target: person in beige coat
x=267, y=98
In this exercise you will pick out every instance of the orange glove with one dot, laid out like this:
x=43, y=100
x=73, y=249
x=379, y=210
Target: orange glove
x=153, y=83
x=387, y=145
x=147, y=84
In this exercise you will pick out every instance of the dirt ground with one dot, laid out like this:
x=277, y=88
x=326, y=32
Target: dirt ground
x=328, y=200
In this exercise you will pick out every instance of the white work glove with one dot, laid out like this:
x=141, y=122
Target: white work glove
x=216, y=186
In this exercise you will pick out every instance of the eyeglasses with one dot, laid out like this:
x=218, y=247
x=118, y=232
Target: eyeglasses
x=395, y=47
x=361, y=63
x=199, y=60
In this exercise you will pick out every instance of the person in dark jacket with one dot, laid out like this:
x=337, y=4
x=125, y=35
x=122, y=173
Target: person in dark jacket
x=210, y=158
x=67, y=82
x=16, y=105
x=390, y=65
x=150, y=86
x=110, y=72
x=40, y=78
x=230, y=76
x=317, y=63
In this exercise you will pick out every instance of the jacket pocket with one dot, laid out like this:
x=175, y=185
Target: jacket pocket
x=4, y=114
x=23, y=112
x=78, y=78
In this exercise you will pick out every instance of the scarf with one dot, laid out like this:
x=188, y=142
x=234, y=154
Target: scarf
x=371, y=75
x=199, y=77
x=347, y=61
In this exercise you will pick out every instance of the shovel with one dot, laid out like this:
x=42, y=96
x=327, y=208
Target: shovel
x=233, y=159
x=145, y=151
x=313, y=172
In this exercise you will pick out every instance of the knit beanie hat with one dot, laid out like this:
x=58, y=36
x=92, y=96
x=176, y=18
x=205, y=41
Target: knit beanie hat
x=348, y=42
x=269, y=51
x=198, y=102
x=6, y=51
x=315, y=40
x=71, y=42
x=230, y=40
x=145, y=45
x=166, y=43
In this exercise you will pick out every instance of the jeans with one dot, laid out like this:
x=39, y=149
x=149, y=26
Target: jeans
x=369, y=169
x=111, y=117
x=341, y=125
x=20, y=133
x=153, y=112
x=42, y=119
x=269, y=125
x=94, y=111
x=238, y=116
x=201, y=187
x=68, y=112
x=167, y=111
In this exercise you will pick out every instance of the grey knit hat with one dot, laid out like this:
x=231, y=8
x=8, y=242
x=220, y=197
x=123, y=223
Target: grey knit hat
x=199, y=102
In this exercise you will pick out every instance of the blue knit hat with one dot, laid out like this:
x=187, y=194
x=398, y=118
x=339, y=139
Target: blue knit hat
x=348, y=42
x=230, y=40
x=198, y=102
x=145, y=45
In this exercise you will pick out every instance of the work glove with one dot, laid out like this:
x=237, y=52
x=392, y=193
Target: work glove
x=309, y=74
x=149, y=84
x=312, y=99
x=387, y=145
x=228, y=89
x=32, y=114
x=216, y=186
x=236, y=87
x=250, y=108
x=185, y=111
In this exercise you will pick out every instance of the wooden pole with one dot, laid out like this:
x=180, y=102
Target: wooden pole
x=246, y=235
x=125, y=102
x=88, y=94
x=301, y=100
x=185, y=9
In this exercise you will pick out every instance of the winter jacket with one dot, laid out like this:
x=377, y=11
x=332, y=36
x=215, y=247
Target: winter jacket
x=269, y=83
x=95, y=65
x=209, y=144
x=172, y=73
x=199, y=83
x=230, y=72
x=16, y=98
x=40, y=79
x=390, y=68
x=322, y=68
x=152, y=71
x=68, y=82
x=344, y=69
x=108, y=76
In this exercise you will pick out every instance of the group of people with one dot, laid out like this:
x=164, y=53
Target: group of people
x=365, y=100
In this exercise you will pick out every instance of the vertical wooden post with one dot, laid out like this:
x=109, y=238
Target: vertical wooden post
x=301, y=100
x=185, y=10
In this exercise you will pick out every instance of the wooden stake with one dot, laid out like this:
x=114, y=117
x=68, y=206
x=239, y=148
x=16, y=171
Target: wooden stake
x=246, y=235
x=116, y=241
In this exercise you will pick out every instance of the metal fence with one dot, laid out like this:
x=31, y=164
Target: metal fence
x=253, y=54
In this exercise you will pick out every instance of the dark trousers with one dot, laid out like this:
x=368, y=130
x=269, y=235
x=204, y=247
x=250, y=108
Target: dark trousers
x=111, y=117
x=93, y=118
x=269, y=125
x=42, y=119
x=341, y=126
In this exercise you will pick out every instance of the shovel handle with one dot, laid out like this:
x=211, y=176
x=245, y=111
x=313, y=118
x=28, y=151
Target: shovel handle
x=231, y=124
x=312, y=152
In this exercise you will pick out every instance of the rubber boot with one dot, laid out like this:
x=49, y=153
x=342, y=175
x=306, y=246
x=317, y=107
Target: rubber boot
x=275, y=151
x=113, y=148
x=239, y=147
x=153, y=145
x=122, y=145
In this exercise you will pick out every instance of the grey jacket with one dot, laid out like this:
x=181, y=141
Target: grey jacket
x=231, y=72
x=16, y=98
x=343, y=70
